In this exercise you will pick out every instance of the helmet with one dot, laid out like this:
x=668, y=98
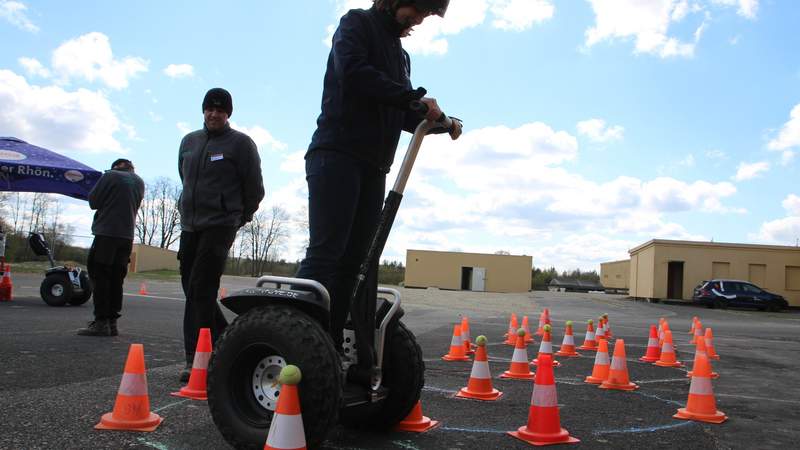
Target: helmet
x=438, y=7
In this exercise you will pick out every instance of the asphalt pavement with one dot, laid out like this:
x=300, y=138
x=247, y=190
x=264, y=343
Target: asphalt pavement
x=55, y=385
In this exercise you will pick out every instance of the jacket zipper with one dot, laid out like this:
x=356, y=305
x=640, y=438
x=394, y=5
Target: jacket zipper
x=196, y=176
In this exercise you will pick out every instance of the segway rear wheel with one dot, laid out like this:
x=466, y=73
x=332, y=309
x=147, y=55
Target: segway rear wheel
x=86, y=292
x=244, y=366
x=56, y=289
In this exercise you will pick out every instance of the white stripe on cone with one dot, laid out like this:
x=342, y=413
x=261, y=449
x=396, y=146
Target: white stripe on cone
x=701, y=386
x=568, y=340
x=480, y=370
x=590, y=335
x=201, y=360
x=520, y=355
x=618, y=363
x=601, y=358
x=456, y=341
x=546, y=347
x=667, y=348
x=133, y=384
x=652, y=342
x=286, y=431
x=544, y=395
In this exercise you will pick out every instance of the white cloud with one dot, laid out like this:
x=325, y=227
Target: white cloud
x=14, y=13
x=56, y=118
x=648, y=24
x=789, y=135
x=33, y=67
x=688, y=161
x=597, y=131
x=747, y=8
x=262, y=137
x=89, y=57
x=782, y=231
x=748, y=171
x=294, y=162
x=716, y=154
x=179, y=71
x=184, y=128
x=430, y=37
x=792, y=205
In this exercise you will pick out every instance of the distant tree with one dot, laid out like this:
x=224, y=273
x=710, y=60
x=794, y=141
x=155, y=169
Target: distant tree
x=502, y=252
x=158, y=219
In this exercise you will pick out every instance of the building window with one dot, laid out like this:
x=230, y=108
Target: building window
x=792, y=278
x=720, y=269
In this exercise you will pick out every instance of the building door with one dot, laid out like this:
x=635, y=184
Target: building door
x=479, y=279
x=466, y=278
x=675, y=280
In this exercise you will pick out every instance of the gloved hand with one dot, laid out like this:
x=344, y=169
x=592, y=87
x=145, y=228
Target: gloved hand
x=455, y=130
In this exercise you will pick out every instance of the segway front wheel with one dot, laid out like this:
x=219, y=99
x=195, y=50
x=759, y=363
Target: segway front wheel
x=86, y=291
x=244, y=367
x=56, y=289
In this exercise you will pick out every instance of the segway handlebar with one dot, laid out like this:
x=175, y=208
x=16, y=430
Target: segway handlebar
x=413, y=148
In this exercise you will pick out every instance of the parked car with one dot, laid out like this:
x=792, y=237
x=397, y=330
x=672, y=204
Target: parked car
x=724, y=293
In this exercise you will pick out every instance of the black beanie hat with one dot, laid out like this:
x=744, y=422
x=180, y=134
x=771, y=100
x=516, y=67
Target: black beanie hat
x=220, y=98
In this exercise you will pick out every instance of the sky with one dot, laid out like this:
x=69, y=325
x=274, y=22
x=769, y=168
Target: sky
x=590, y=127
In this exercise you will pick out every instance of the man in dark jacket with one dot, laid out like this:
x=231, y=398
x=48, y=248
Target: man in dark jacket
x=365, y=105
x=116, y=197
x=222, y=187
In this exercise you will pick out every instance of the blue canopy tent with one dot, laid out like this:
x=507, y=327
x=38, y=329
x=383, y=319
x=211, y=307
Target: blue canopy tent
x=28, y=168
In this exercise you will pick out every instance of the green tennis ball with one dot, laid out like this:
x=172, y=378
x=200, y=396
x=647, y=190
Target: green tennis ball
x=590, y=321
x=569, y=323
x=290, y=375
x=480, y=341
x=521, y=332
x=547, y=328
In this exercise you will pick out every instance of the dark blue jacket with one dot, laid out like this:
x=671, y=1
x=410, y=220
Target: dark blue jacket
x=116, y=197
x=367, y=90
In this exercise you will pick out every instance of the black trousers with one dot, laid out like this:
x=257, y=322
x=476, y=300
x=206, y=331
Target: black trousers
x=345, y=197
x=108, y=265
x=202, y=256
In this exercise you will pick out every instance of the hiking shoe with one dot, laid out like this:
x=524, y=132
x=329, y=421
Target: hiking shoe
x=112, y=325
x=186, y=373
x=98, y=327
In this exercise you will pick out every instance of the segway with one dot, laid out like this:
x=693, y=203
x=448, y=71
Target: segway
x=374, y=382
x=62, y=284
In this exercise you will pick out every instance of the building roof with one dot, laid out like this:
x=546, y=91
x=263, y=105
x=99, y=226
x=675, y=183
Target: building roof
x=654, y=242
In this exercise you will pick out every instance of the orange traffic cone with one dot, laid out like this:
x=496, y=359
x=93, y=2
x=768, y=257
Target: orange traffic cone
x=618, y=372
x=479, y=386
x=546, y=347
x=668, y=358
x=286, y=430
x=701, y=404
x=694, y=321
x=465, y=337
x=519, y=368
x=698, y=332
x=528, y=337
x=601, y=364
x=511, y=336
x=196, y=389
x=544, y=424
x=653, y=350
x=601, y=331
x=607, y=327
x=539, y=329
x=568, y=344
x=699, y=351
x=416, y=422
x=589, y=342
x=709, y=341
x=132, y=406
x=6, y=285
x=456, y=347
x=143, y=289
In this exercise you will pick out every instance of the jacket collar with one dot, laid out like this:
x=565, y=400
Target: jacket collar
x=387, y=20
x=225, y=130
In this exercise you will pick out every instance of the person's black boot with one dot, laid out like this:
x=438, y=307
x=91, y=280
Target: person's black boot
x=97, y=327
x=112, y=325
x=186, y=373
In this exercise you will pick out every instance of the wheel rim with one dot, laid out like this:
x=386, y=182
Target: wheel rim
x=57, y=290
x=266, y=388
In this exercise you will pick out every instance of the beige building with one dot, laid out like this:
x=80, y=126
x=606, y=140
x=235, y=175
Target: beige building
x=468, y=271
x=145, y=257
x=616, y=275
x=672, y=269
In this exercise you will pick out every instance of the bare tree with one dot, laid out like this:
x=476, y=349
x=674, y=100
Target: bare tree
x=264, y=236
x=40, y=204
x=158, y=219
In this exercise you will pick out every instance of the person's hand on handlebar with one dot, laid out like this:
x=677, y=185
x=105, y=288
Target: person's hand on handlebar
x=455, y=130
x=434, y=112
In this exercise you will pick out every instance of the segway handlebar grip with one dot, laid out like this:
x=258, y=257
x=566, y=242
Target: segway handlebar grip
x=422, y=109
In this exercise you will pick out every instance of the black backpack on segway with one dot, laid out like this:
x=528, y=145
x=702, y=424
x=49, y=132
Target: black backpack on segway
x=284, y=321
x=62, y=284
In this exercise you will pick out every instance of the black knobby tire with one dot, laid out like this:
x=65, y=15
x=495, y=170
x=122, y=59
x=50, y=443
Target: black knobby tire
x=403, y=375
x=56, y=289
x=86, y=293
x=299, y=340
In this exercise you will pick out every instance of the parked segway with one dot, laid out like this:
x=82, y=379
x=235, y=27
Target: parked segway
x=284, y=321
x=62, y=284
